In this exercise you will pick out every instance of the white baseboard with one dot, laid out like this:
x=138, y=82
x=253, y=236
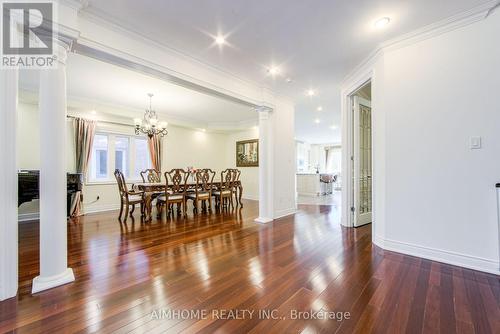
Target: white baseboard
x=24, y=217
x=44, y=283
x=101, y=208
x=283, y=213
x=250, y=197
x=309, y=194
x=453, y=258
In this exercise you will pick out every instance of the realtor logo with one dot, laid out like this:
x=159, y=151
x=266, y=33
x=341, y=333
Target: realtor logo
x=27, y=34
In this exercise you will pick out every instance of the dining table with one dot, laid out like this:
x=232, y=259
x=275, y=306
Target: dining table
x=151, y=188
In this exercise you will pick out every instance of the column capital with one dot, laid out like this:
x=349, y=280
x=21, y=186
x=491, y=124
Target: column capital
x=263, y=112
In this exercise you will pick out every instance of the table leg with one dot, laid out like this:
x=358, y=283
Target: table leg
x=148, y=199
x=240, y=190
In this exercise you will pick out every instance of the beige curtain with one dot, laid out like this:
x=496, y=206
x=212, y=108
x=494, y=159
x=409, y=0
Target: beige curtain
x=154, y=143
x=84, y=138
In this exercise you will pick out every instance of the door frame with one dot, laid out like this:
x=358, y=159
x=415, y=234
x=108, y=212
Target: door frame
x=357, y=101
x=347, y=145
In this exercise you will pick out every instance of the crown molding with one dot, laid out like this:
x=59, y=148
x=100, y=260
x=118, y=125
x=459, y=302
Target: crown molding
x=79, y=106
x=465, y=18
x=451, y=23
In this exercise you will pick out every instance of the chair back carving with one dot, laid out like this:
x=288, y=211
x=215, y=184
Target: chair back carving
x=122, y=185
x=204, y=180
x=176, y=180
x=151, y=176
x=228, y=177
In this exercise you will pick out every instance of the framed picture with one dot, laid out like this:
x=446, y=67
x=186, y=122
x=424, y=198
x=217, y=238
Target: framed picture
x=247, y=153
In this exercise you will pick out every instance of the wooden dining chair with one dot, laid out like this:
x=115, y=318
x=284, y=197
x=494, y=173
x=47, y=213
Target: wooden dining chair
x=175, y=192
x=203, y=190
x=236, y=188
x=152, y=176
x=128, y=197
x=224, y=193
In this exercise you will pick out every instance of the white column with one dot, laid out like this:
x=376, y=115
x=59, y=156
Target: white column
x=8, y=182
x=265, y=167
x=54, y=269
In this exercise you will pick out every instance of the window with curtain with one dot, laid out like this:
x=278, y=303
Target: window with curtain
x=99, y=161
x=142, y=157
x=121, y=155
x=129, y=154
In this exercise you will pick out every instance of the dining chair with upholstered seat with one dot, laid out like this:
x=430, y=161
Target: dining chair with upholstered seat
x=203, y=190
x=128, y=197
x=152, y=176
x=235, y=184
x=224, y=193
x=175, y=192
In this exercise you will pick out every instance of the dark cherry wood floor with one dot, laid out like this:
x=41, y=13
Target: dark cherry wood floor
x=126, y=274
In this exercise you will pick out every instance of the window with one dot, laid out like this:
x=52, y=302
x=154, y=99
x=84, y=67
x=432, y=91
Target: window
x=142, y=157
x=99, y=162
x=129, y=154
x=121, y=154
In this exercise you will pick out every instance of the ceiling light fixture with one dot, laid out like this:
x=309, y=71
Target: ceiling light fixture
x=320, y=108
x=317, y=121
x=381, y=23
x=220, y=40
x=334, y=127
x=93, y=112
x=150, y=125
x=289, y=80
x=273, y=70
x=310, y=92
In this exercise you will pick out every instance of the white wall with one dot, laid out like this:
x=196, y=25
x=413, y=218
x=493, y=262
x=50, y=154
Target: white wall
x=434, y=196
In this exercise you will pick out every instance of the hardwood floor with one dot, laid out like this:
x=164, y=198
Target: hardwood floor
x=126, y=275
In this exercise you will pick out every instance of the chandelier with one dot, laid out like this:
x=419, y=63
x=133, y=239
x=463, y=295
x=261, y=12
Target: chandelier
x=150, y=125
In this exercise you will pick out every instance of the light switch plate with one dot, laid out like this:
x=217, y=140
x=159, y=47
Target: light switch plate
x=475, y=143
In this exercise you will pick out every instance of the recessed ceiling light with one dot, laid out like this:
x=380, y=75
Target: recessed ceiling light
x=204, y=130
x=289, y=80
x=273, y=70
x=320, y=108
x=382, y=22
x=334, y=127
x=317, y=121
x=310, y=92
x=93, y=112
x=220, y=40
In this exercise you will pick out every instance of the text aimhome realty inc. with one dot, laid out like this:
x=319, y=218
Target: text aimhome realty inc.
x=243, y=314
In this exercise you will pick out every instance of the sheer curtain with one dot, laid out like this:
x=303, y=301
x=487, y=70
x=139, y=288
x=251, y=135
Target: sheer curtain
x=84, y=138
x=154, y=143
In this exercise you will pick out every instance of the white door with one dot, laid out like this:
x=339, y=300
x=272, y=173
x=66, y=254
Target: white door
x=362, y=161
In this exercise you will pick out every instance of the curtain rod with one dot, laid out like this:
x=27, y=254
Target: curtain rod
x=101, y=121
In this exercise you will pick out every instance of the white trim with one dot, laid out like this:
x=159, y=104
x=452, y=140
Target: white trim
x=454, y=22
x=45, y=283
x=439, y=255
x=263, y=220
x=286, y=212
x=250, y=197
x=100, y=208
x=25, y=217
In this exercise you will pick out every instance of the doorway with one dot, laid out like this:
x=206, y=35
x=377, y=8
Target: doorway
x=361, y=156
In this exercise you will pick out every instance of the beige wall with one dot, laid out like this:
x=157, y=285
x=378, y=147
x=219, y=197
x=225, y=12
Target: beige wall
x=249, y=175
x=182, y=148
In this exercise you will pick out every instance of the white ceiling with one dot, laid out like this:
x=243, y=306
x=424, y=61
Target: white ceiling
x=315, y=43
x=109, y=89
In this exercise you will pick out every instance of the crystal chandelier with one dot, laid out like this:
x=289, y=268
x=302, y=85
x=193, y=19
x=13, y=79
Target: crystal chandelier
x=150, y=125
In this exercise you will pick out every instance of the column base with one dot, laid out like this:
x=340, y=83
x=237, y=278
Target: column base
x=45, y=283
x=263, y=220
